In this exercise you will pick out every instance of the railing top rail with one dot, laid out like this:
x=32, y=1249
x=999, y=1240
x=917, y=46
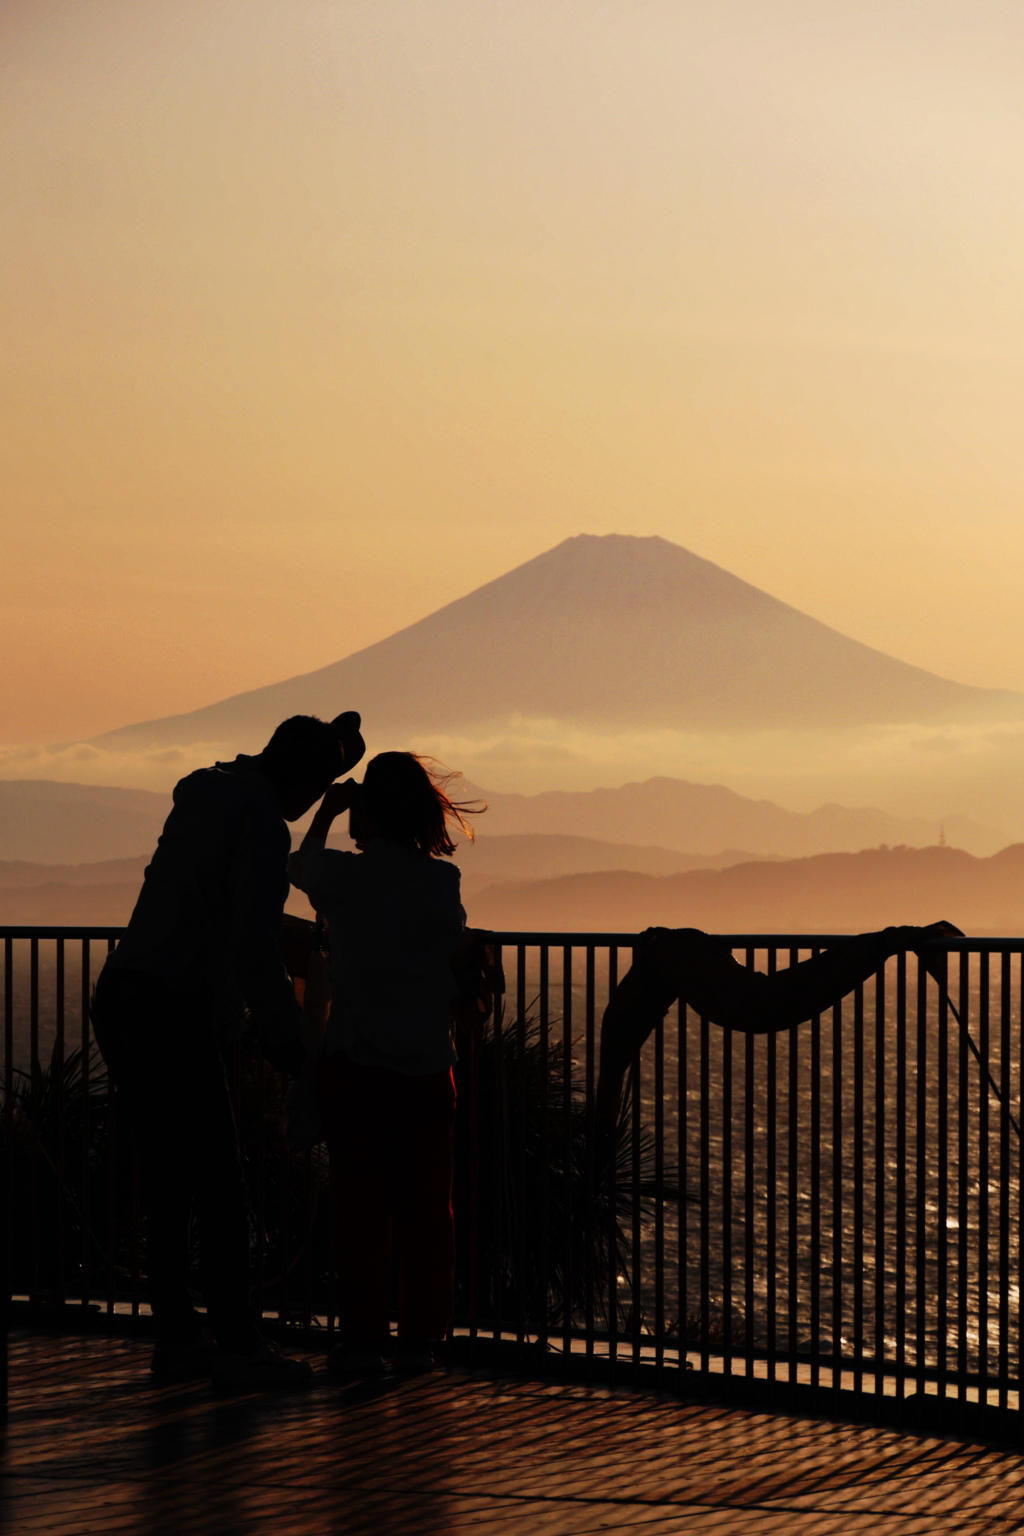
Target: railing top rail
x=59, y=931
x=747, y=940
x=534, y=938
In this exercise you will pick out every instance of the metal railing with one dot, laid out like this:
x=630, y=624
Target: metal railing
x=829, y=1217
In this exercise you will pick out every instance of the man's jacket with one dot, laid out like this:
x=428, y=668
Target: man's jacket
x=208, y=918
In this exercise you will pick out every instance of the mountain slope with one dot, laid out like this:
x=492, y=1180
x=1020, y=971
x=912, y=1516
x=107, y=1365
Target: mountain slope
x=614, y=632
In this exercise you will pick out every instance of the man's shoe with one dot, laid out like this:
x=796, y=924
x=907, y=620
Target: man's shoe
x=415, y=1357
x=184, y=1362
x=354, y=1364
x=259, y=1370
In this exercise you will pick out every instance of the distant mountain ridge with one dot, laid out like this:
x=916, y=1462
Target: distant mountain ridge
x=23, y=874
x=544, y=855
x=705, y=818
x=612, y=632
x=44, y=822
x=105, y=892
x=829, y=893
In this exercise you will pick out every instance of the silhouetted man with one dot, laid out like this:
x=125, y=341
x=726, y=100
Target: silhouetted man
x=699, y=969
x=202, y=947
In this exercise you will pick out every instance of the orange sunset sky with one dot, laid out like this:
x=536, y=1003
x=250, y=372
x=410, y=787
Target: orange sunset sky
x=317, y=315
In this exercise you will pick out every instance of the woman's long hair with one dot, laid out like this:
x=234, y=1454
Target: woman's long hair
x=409, y=802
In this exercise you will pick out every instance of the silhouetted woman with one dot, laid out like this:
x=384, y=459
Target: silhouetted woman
x=386, y=1090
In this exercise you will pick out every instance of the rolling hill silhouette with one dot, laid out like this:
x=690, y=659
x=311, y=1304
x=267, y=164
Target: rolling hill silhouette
x=830, y=893
x=46, y=822
x=615, y=632
x=705, y=818
x=49, y=823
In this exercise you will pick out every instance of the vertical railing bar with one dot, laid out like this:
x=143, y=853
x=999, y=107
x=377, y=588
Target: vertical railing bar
x=112, y=1118
x=793, y=1195
x=473, y=1299
x=332, y=1298
x=112, y=1153
x=771, y=1177
x=307, y=1259
x=6, y=1237
x=984, y=984
x=942, y=1191
x=815, y=1259
x=568, y=1257
x=1020, y=1181
x=9, y=1224
x=858, y=1190
x=963, y=1181
x=522, y=1202
x=727, y=1114
x=748, y=1192
x=705, y=1195
x=590, y=1221
x=499, y=1204
x=261, y=1184
x=612, y=1209
x=881, y=1155
x=284, y=1266
x=237, y=1103
x=837, y=1200
x=636, y=1269
x=505, y=1209
x=136, y=1201
x=1004, y=1184
x=659, y=1199
x=682, y=1167
x=901, y=1173
x=59, y=1150
x=921, y=1289
x=545, y=1145
x=35, y=1091
x=86, y=1037
x=136, y=1206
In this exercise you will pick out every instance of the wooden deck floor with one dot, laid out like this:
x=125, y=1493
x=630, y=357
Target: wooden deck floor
x=92, y=1446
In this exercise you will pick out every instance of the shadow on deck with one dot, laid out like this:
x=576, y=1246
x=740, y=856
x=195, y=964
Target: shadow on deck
x=92, y=1446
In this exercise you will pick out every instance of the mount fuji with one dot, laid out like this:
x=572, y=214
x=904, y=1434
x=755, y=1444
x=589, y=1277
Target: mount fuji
x=612, y=633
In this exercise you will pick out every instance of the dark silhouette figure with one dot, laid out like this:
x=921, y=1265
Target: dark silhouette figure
x=698, y=968
x=202, y=948
x=386, y=1090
